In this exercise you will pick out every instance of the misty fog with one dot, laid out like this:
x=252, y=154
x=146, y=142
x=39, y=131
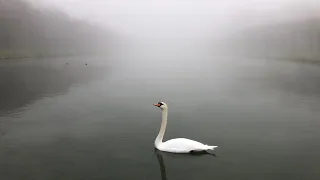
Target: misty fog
x=78, y=79
x=277, y=29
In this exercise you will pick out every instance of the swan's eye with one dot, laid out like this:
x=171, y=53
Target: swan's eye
x=160, y=103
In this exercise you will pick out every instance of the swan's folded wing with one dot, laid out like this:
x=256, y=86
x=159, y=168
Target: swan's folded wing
x=182, y=145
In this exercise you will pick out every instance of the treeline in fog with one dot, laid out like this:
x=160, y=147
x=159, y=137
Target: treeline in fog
x=295, y=40
x=27, y=31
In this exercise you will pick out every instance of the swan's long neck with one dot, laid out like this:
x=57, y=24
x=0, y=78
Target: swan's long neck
x=159, y=138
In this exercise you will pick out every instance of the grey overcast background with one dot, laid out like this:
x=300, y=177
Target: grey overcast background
x=77, y=88
x=185, y=18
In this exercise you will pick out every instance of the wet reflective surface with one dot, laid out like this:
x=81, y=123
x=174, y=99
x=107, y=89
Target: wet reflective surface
x=96, y=121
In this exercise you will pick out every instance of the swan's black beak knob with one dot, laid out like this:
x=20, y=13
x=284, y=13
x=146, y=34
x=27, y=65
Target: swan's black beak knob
x=158, y=105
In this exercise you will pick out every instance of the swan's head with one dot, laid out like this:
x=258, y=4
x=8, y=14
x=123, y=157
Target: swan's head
x=161, y=105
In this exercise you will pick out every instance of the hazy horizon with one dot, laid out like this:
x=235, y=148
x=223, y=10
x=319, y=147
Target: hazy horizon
x=191, y=18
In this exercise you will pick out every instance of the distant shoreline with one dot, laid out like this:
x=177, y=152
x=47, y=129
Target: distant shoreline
x=28, y=57
x=45, y=56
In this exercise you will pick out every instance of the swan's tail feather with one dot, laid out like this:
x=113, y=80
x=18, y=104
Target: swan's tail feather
x=211, y=147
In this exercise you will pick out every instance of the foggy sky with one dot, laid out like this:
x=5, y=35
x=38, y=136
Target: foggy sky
x=184, y=18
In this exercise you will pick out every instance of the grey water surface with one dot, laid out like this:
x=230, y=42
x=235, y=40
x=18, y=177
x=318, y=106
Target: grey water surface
x=96, y=121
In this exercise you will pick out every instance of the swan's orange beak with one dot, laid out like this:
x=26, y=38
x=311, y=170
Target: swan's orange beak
x=158, y=105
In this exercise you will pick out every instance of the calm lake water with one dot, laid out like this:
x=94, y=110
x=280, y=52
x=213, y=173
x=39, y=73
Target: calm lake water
x=96, y=121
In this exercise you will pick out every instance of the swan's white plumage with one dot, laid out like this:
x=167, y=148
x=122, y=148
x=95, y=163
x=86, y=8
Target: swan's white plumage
x=178, y=145
x=183, y=145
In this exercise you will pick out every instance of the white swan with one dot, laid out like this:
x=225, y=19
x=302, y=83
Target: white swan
x=178, y=145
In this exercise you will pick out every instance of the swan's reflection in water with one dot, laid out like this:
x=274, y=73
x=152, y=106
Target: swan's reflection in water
x=162, y=164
